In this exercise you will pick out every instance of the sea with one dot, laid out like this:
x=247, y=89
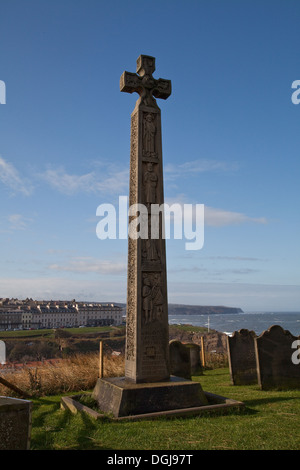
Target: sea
x=255, y=321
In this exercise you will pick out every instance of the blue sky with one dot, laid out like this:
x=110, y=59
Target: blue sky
x=230, y=142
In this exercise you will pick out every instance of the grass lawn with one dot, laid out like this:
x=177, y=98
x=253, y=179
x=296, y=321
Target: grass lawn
x=188, y=328
x=51, y=332
x=271, y=421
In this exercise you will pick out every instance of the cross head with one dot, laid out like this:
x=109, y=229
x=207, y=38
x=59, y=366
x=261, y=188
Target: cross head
x=143, y=82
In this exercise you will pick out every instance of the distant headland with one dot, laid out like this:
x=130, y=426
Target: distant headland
x=182, y=309
x=178, y=309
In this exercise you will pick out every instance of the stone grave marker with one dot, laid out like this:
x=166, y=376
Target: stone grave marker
x=180, y=359
x=15, y=423
x=241, y=357
x=195, y=358
x=2, y=352
x=275, y=367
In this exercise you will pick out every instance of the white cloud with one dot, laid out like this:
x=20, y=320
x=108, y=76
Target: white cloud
x=18, y=221
x=58, y=288
x=91, y=265
x=11, y=178
x=197, y=166
x=66, y=183
x=220, y=217
x=236, y=258
x=215, y=217
x=107, y=178
x=111, y=180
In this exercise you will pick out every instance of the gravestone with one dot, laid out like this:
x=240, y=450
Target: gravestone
x=275, y=367
x=180, y=359
x=15, y=423
x=2, y=352
x=241, y=357
x=147, y=385
x=195, y=358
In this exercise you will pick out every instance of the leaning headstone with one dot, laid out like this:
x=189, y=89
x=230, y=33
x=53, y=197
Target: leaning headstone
x=180, y=359
x=195, y=358
x=15, y=423
x=241, y=357
x=275, y=367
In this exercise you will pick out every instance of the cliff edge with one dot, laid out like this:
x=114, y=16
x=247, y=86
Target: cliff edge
x=178, y=309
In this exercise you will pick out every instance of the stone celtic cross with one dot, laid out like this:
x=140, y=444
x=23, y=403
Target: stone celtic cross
x=144, y=84
x=148, y=386
x=147, y=331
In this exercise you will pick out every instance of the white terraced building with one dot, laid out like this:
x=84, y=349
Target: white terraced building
x=58, y=314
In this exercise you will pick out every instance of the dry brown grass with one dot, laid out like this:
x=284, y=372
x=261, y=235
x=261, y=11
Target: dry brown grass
x=77, y=373
x=216, y=360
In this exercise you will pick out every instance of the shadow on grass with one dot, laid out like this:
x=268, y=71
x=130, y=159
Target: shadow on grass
x=39, y=420
x=84, y=439
x=216, y=372
x=47, y=424
x=266, y=401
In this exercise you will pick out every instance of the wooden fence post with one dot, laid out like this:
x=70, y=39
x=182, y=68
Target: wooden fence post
x=101, y=360
x=202, y=351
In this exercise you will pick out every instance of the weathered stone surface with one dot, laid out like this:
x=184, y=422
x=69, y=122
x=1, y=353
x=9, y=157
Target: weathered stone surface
x=15, y=423
x=195, y=358
x=241, y=357
x=213, y=341
x=180, y=359
x=185, y=359
x=147, y=337
x=147, y=386
x=275, y=368
x=121, y=397
x=215, y=403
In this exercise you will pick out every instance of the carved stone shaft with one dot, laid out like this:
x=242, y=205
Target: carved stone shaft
x=147, y=334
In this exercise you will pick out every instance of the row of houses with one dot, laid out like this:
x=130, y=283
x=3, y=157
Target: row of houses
x=58, y=314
